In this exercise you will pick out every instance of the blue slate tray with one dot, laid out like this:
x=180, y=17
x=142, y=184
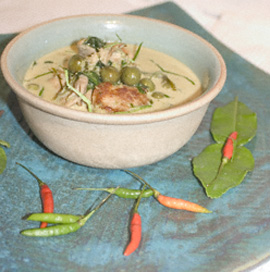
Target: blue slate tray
x=235, y=237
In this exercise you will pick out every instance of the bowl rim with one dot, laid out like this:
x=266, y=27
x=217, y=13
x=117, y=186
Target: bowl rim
x=114, y=119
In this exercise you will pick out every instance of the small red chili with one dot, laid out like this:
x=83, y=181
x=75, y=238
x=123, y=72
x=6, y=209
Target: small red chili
x=135, y=228
x=229, y=147
x=227, y=153
x=45, y=195
x=171, y=202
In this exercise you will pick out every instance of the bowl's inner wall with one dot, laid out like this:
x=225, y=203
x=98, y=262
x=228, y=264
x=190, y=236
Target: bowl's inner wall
x=160, y=36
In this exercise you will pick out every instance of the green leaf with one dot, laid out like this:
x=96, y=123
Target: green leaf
x=235, y=116
x=3, y=160
x=206, y=169
x=4, y=143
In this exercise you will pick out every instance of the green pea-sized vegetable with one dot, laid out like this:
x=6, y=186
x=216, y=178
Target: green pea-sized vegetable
x=63, y=229
x=215, y=176
x=76, y=63
x=130, y=75
x=110, y=74
x=148, y=84
x=53, y=218
x=122, y=192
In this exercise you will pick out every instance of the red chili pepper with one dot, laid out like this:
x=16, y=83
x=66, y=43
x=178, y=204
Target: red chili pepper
x=180, y=204
x=171, y=202
x=229, y=147
x=227, y=153
x=135, y=228
x=45, y=195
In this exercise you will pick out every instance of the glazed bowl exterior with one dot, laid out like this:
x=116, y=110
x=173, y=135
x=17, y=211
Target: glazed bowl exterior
x=109, y=140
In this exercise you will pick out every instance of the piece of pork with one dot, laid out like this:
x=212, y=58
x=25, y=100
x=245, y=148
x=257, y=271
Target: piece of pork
x=117, y=98
x=84, y=49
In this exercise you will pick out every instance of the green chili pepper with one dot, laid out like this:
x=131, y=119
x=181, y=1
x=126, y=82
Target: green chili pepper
x=55, y=230
x=54, y=218
x=63, y=229
x=122, y=192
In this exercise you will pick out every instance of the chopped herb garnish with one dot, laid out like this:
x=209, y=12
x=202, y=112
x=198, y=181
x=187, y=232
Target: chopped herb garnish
x=93, y=79
x=123, y=63
x=44, y=74
x=137, y=51
x=85, y=99
x=48, y=61
x=33, y=86
x=41, y=91
x=119, y=38
x=141, y=88
x=100, y=64
x=134, y=109
x=167, y=83
x=95, y=43
x=172, y=73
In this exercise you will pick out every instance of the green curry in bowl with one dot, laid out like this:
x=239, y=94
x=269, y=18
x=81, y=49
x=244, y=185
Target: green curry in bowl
x=112, y=77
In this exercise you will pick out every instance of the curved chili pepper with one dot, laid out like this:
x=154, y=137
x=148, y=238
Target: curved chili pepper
x=171, y=202
x=55, y=230
x=53, y=218
x=180, y=204
x=227, y=153
x=135, y=228
x=63, y=229
x=229, y=147
x=45, y=195
x=122, y=192
x=136, y=234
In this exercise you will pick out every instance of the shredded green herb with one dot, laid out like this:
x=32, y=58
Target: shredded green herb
x=41, y=91
x=86, y=100
x=93, y=79
x=119, y=38
x=172, y=73
x=137, y=51
x=95, y=43
x=135, y=109
x=167, y=83
x=44, y=74
x=141, y=88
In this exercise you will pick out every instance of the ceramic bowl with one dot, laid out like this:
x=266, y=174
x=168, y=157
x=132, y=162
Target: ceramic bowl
x=107, y=140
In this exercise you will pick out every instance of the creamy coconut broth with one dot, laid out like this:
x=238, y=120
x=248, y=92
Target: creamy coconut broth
x=112, y=77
